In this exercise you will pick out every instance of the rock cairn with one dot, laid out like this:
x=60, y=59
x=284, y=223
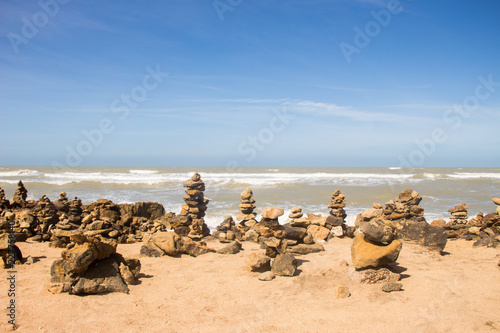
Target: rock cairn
x=247, y=207
x=90, y=266
x=483, y=229
x=4, y=202
x=337, y=207
x=20, y=195
x=459, y=214
x=376, y=246
x=227, y=232
x=195, y=205
x=406, y=216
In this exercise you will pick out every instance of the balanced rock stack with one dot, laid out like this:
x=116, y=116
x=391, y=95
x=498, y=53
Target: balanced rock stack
x=337, y=207
x=91, y=266
x=376, y=246
x=483, y=229
x=4, y=202
x=195, y=207
x=20, y=195
x=227, y=231
x=459, y=214
x=406, y=216
x=247, y=207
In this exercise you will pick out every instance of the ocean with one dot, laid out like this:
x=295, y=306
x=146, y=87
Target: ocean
x=308, y=188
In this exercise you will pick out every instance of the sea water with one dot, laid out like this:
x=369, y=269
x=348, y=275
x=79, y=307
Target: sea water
x=308, y=188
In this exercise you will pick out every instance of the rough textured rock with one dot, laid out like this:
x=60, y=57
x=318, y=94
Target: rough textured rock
x=258, y=262
x=284, y=265
x=417, y=230
x=232, y=248
x=168, y=242
x=378, y=231
x=102, y=276
x=368, y=255
x=389, y=287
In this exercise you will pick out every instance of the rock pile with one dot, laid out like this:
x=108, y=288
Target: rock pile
x=4, y=202
x=483, y=229
x=406, y=216
x=376, y=246
x=338, y=213
x=171, y=244
x=91, y=266
x=459, y=214
x=247, y=207
x=193, y=211
x=284, y=264
x=20, y=195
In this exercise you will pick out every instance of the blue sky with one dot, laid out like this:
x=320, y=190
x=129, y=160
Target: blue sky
x=250, y=83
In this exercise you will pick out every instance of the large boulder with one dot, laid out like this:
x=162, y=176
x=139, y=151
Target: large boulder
x=100, y=277
x=417, y=230
x=367, y=255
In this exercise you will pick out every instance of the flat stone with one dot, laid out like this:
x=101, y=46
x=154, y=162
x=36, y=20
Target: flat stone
x=389, y=287
x=272, y=213
x=267, y=276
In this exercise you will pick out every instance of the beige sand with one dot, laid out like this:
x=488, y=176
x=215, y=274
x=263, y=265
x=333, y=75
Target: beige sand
x=458, y=292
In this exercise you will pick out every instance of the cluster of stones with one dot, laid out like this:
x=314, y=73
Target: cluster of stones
x=459, y=214
x=337, y=210
x=191, y=222
x=483, y=229
x=44, y=220
x=246, y=217
x=172, y=244
x=90, y=265
x=405, y=216
x=374, y=248
x=282, y=264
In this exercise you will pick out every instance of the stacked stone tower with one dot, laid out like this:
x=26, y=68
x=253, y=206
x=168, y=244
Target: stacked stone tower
x=195, y=206
x=247, y=207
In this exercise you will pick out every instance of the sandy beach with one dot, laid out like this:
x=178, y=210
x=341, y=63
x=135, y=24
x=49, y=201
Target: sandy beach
x=454, y=292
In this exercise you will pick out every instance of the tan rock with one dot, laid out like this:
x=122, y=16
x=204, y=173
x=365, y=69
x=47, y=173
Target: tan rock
x=246, y=194
x=438, y=223
x=168, y=242
x=318, y=232
x=368, y=255
x=300, y=222
x=372, y=213
x=496, y=201
x=376, y=205
x=267, y=276
x=258, y=262
x=272, y=213
x=342, y=291
x=317, y=219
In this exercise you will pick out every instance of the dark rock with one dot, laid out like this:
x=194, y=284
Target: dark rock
x=419, y=231
x=334, y=221
x=487, y=241
x=284, y=265
x=296, y=233
x=102, y=276
x=377, y=231
x=232, y=248
x=151, y=250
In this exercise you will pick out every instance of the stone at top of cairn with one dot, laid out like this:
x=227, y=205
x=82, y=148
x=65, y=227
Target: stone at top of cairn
x=246, y=194
x=272, y=213
x=196, y=177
